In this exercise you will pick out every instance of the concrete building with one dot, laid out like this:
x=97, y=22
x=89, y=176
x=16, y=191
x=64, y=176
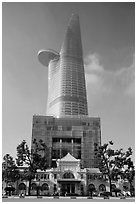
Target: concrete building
x=78, y=136
x=67, y=126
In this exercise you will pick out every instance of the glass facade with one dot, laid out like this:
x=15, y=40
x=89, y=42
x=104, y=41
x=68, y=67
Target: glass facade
x=67, y=89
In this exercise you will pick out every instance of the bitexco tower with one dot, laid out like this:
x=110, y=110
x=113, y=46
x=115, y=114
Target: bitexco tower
x=66, y=126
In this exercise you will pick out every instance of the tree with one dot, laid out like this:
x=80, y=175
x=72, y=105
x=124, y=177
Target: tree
x=10, y=172
x=129, y=173
x=35, y=159
x=112, y=162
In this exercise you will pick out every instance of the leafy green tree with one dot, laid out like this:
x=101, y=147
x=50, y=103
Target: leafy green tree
x=33, y=159
x=112, y=162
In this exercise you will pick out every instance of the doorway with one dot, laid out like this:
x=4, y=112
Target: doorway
x=68, y=188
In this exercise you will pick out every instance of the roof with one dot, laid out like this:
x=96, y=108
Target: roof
x=69, y=158
x=93, y=170
x=45, y=56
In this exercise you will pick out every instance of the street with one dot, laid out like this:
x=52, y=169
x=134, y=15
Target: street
x=66, y=199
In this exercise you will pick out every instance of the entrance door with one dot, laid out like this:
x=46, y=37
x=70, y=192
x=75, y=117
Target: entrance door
x=68, y=188
x=72, y=188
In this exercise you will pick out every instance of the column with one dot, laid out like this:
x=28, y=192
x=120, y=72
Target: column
x=72, y=145
x=60, y=147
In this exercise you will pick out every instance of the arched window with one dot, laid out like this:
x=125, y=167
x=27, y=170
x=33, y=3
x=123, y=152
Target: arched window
x=102, y=187
x=113, y=186
x=91, y=187
x=45, y=187
x=22, y=186
x=68, y=175
x=125, y=188
x=33, y=186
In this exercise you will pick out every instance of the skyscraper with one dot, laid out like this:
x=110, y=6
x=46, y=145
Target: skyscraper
x=67, y=89
x=67, y=128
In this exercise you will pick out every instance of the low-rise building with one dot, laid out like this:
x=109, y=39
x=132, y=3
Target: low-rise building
x=67, y=178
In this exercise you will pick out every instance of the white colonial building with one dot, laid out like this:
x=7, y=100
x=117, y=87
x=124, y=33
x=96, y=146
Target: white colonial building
x=68, y=178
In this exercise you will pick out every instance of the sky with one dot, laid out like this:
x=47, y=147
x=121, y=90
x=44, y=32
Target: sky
x=108, y=39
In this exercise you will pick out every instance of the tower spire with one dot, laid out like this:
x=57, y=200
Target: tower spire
x=72, y=45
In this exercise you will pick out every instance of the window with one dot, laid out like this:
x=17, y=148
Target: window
x=77, y=140
x=54, y=139
x=66, y=140
x=48, y=128
x=68, y=175
x=55, y=128
x=102, y=187
x=84, y=134
x=96, y=124
x=69, y=128
x=64, y=152
x=55, y=153
x=45, y=187
x=50, y=122
x=22, y=186
x=95, y=147
x=33, y=186
x=91, y=187
x=59, y=127
x=54, y=164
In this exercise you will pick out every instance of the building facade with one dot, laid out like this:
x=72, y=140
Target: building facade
x=67, y=126
x=67, y=179
x=79, y=136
